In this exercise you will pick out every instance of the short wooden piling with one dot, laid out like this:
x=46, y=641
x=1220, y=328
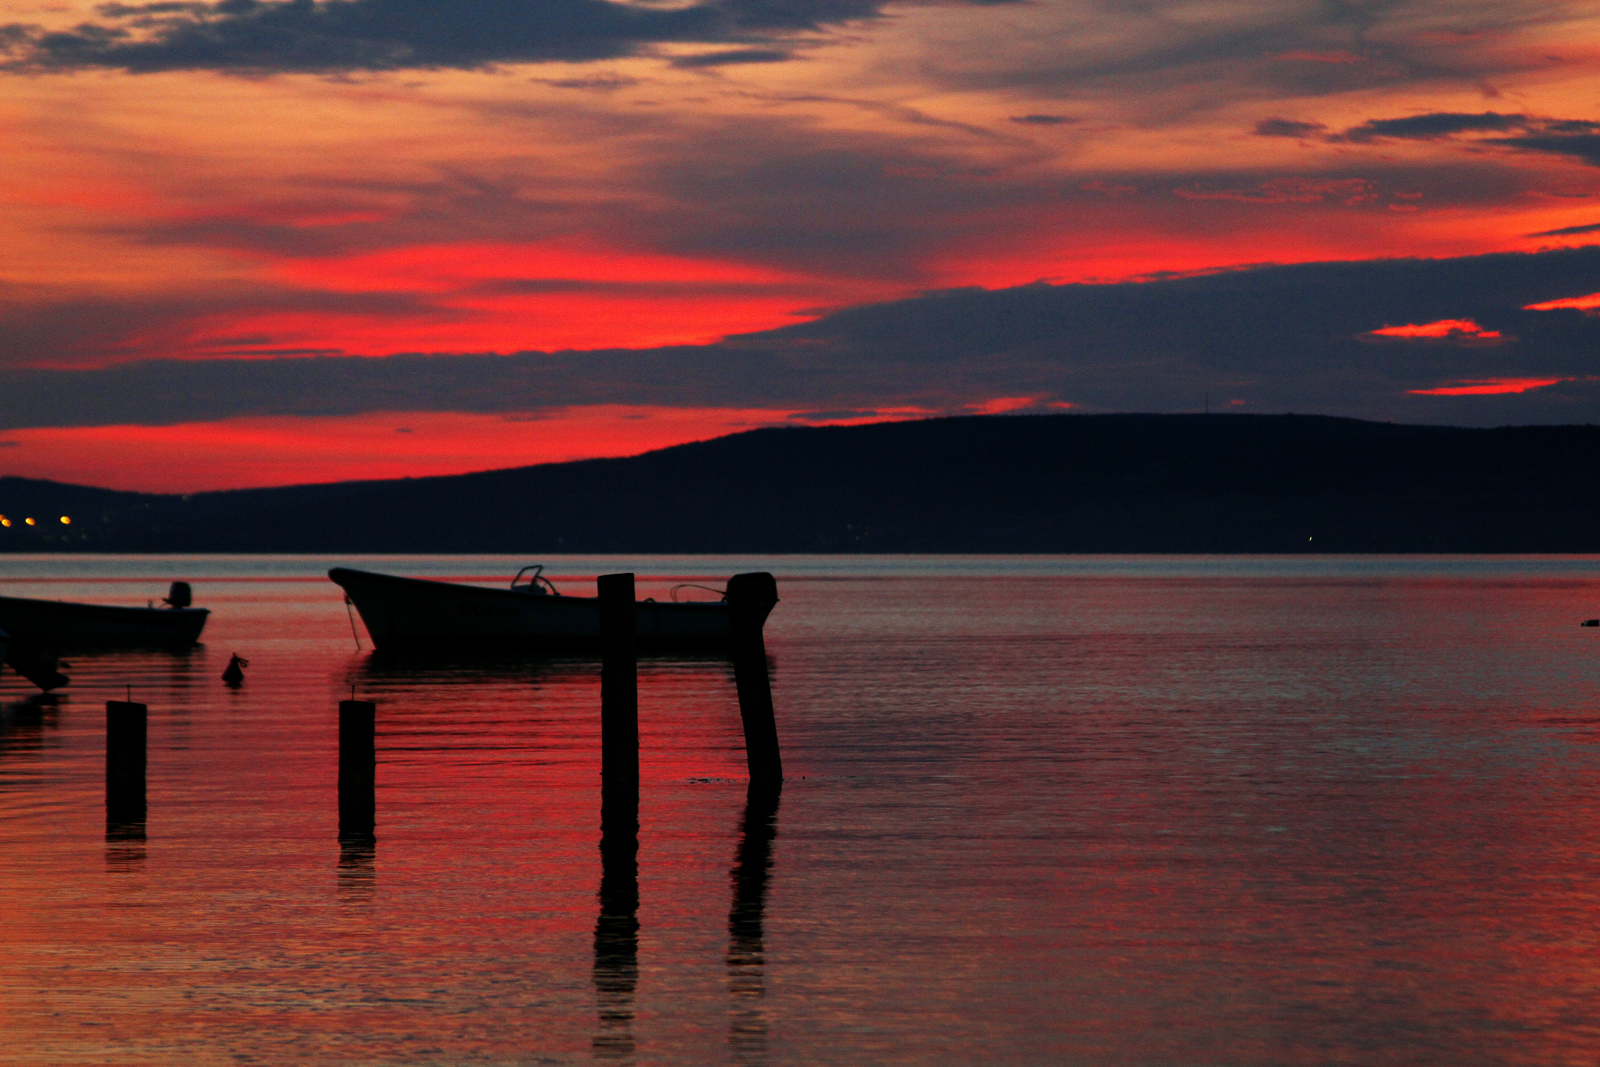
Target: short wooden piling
x=750, y=598
x=619, y=694
x=125, y=767
x=358, y=767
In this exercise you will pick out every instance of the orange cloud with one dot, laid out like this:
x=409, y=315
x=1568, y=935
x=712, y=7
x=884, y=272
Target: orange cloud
x=1289, y=191
x=1306, y=56
x=1000, y=405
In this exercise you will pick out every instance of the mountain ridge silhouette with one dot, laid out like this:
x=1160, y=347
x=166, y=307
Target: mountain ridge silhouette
x=994, y=483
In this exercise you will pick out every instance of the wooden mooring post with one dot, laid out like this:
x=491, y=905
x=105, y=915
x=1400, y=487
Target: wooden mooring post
x=619, y=695
x=750, y=598
x=358, y=768
x=125, y=767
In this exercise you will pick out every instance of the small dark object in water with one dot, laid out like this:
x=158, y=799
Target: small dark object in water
x=234, y=674
x=1591, y=622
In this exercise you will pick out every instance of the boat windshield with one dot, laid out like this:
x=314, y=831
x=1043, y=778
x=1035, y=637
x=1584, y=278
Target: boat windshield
x=537, y=584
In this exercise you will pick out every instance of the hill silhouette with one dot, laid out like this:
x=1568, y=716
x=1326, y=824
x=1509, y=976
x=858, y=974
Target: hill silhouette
x=1039, y=483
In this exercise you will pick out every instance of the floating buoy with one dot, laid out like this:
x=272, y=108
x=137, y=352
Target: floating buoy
x=234, y=674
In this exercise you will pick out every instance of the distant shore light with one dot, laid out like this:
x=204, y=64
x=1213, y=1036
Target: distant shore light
x=30, y=522
x=4, y=521
x=66, y=520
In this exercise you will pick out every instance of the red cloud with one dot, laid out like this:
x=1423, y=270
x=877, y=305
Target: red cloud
x=1488, y=387
x=1442, y=328
x=1582, y=303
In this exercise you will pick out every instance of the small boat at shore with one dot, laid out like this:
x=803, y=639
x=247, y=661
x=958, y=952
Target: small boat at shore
x=418, y=613
x=42, y=629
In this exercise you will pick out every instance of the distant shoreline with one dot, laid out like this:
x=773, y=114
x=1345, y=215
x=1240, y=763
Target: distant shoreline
x=1015, y=485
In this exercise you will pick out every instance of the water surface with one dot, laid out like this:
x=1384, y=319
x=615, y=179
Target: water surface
x=1091, y=810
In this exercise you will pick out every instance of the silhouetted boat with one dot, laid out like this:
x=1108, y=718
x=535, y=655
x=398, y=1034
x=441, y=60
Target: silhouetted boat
x=61, y=624
x=42, y=629
x=532, y=616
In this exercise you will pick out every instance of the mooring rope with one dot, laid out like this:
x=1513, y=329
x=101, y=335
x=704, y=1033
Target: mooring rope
x=351, y=615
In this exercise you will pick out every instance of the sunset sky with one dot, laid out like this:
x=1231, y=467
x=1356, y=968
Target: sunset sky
x=259, y=242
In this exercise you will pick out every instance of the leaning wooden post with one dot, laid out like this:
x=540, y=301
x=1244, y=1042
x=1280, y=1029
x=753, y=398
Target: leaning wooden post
x=750, y=598
x=619, y=696
x=125, y=768
x=358, y=767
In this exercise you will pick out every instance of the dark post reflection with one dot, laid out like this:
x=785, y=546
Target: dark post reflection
x=357, y=867
x=125, y=846
x=747, y=1020
x=358, y=769
x=22, y=722
x=616, y=932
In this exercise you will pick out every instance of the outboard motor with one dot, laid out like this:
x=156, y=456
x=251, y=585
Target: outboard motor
x=178, y=595
x=757, y=587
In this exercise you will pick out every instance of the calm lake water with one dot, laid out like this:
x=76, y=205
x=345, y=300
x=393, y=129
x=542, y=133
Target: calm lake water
x=1099, y=811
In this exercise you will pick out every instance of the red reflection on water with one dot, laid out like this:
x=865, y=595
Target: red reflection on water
x=1054, y=818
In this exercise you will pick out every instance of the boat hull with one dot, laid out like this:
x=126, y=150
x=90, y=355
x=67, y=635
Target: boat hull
x=61, y=626
x=415, y=613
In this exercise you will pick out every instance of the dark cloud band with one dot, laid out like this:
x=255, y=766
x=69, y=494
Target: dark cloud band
x=1296, y=338
x=1568, y=231
x=376, y=35
x=1432, y=126
x=1574, y=138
